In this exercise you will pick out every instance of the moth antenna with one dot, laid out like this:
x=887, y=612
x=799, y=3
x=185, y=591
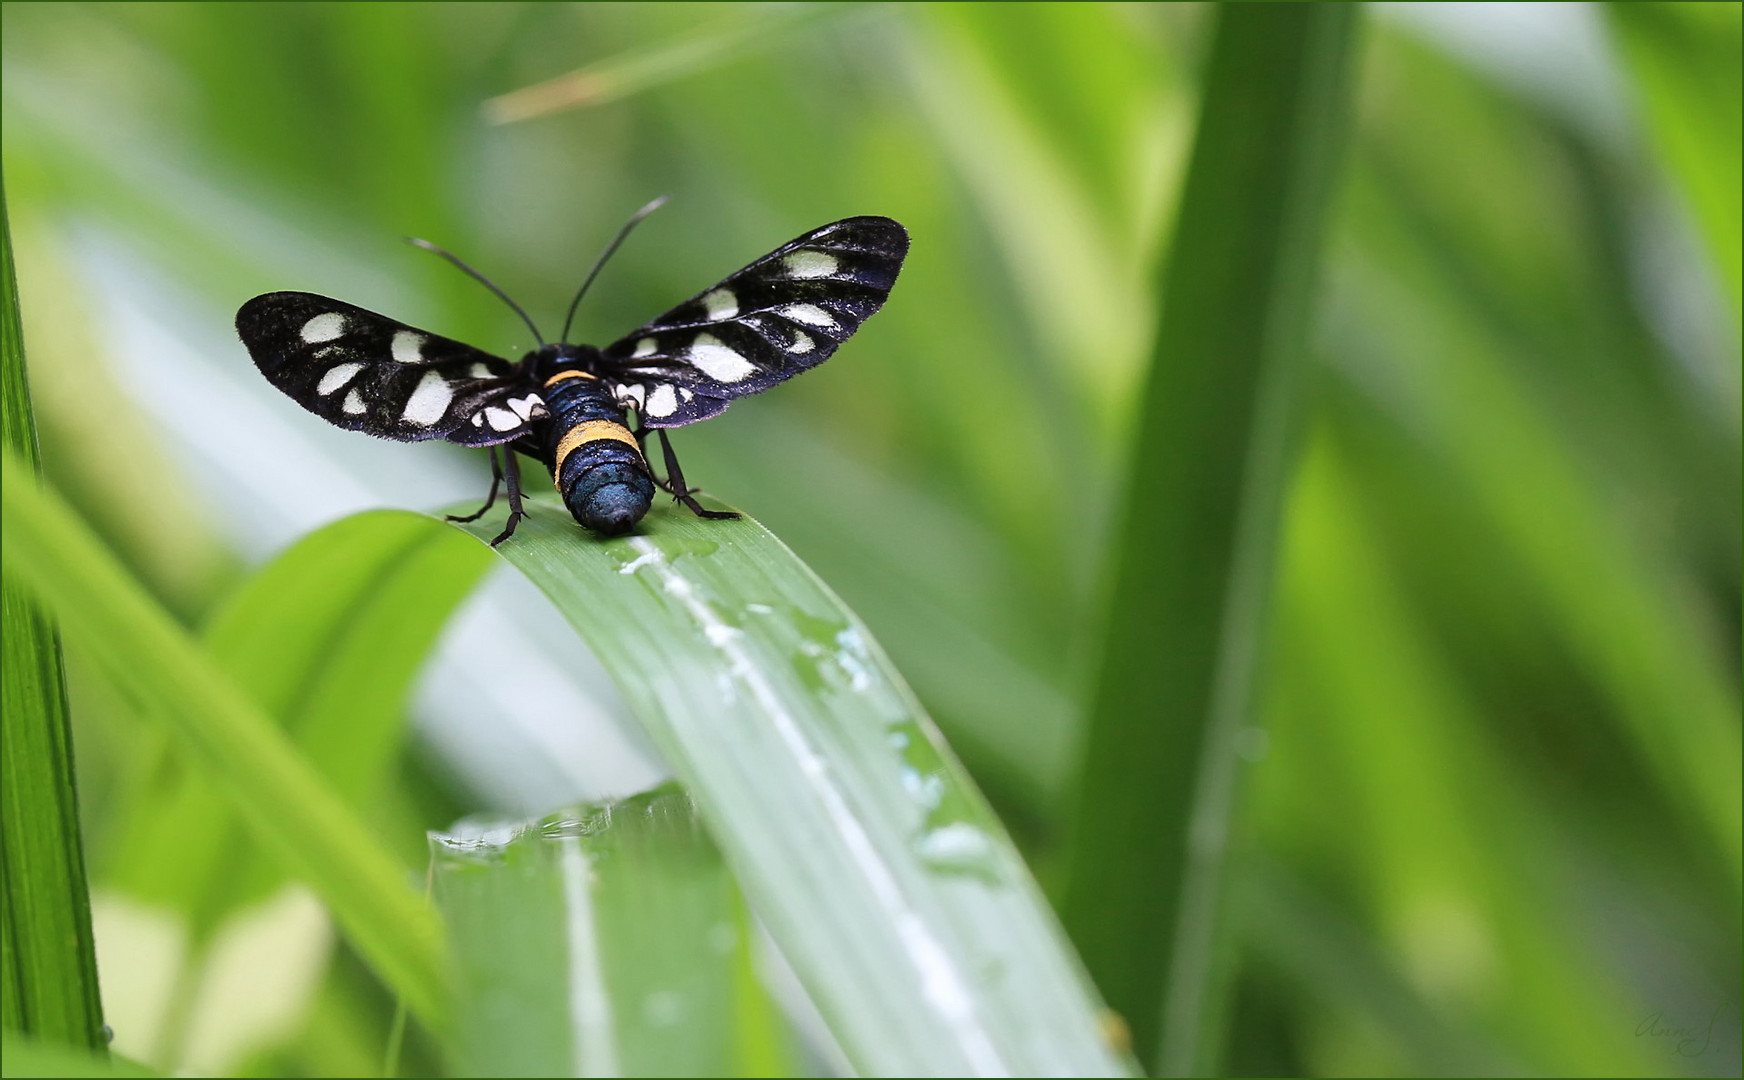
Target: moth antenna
x=486, y=282
x=635, y=219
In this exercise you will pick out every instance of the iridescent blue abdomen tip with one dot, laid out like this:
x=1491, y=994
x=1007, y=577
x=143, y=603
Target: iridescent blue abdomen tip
x=611, y=498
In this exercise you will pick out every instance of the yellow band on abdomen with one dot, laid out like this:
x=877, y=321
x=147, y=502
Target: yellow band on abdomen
x=591, y=431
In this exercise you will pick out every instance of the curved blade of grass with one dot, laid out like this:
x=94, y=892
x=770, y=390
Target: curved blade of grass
x=599, y=941
x=48, y=964
x=138, y=646
x=876, y=866
x=1193, y=561
x=21, y=1055
x=326, y=639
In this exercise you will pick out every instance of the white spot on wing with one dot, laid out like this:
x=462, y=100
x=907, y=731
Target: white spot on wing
x=685, y=394
x=501, y=419
x=810, y=314
x=429, y=401
x=635, y=393
x=527, y=406
x=337, y=375
x=802, y=343
x=810, y=264
x=353, y=403
x=717, y=361
x=324, y=327
x=662, y=402
x=721, y=304
x=478, y=419
x=480, y=371
x=407, y=347
x=645, y=347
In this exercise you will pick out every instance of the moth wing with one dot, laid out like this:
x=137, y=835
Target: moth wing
x=366, y=372
x=781, y=315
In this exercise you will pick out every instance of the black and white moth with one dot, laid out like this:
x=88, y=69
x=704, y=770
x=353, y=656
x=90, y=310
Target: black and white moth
x=569, y=406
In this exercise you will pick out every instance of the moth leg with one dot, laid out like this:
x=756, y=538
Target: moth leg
x=675, y=482
x=512, y=471
x=641, y=434
x=491, y=499
x=660, y=482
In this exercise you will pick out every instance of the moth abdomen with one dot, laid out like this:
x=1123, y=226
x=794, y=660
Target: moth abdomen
x=608, y=496
x=595, y=461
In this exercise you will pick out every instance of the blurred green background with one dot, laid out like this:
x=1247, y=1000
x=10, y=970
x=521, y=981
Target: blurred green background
x=1492, y=818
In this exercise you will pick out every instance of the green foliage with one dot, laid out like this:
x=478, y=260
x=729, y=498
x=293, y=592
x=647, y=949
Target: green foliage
x=1487, y=818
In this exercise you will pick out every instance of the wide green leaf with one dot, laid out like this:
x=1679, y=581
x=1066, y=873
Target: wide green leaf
x=607, y=940
x=874, y=863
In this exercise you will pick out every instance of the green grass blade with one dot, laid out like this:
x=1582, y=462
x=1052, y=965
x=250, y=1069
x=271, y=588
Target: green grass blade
x=48, y=964
x=602, y=941
x=137, y=646
x=876, y=866
x=1193, y=562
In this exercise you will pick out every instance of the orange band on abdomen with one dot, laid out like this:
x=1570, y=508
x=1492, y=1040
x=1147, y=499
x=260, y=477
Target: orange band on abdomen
x=569, y=374
x=591, y=431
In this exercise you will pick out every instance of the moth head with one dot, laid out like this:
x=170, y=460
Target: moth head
x=550, y=359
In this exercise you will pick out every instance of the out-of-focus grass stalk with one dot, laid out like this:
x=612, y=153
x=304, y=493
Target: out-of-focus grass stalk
x=1192, y=566
x=631, y=72
x=1687, y=85
x=136, y=644
x=48, y=964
